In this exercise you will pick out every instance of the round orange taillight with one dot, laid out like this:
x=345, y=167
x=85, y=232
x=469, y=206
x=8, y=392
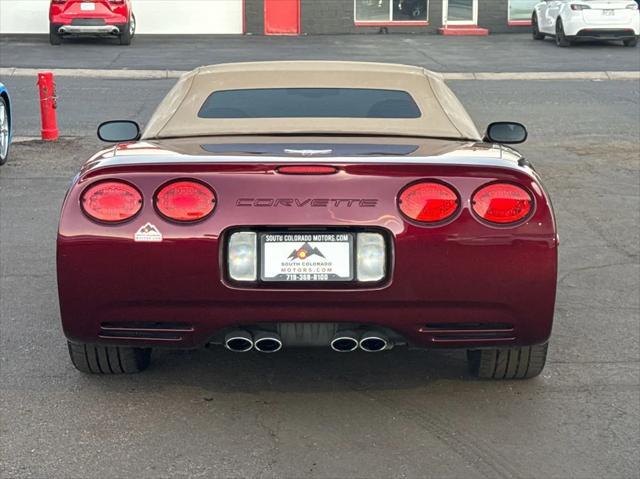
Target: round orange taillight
x=502, y=203
x=111, y=201
x=185, y=200
x=428, y=202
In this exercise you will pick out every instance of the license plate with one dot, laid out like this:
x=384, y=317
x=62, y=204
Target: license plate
x=608, y=13
x=297, y=257
x=87, y=6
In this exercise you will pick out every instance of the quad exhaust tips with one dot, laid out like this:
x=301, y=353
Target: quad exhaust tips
x=241, y=341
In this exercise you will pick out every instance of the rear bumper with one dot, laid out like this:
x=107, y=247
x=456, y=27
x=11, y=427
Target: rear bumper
x=605, y=34
x=443, y=292
x=416, y=324
x=89, y=30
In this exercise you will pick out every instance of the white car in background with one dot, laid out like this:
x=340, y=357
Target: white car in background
x=571, y=20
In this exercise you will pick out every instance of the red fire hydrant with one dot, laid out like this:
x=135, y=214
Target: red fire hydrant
x=48, y=106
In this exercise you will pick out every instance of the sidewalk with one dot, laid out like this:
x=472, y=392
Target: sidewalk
x=7, y=73
x=494, y=54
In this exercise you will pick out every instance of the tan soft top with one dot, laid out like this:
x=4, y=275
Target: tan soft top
x=442, y=114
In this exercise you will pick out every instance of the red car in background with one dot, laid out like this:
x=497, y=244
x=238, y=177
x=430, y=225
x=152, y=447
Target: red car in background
x=98, y=17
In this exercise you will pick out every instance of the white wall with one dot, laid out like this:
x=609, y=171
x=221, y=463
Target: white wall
x=188, y=16
x=24, y=16
x=153, y=16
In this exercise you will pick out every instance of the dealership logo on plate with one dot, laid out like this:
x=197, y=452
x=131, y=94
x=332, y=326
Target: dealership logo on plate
x=304, y=252
x=148, y=233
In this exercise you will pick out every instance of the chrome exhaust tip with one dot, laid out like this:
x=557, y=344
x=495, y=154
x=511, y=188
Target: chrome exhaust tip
x=266, y=342
x=238, y=341
x=372, y=342
x=115, y=31
x=344, y=342
x=62, y=30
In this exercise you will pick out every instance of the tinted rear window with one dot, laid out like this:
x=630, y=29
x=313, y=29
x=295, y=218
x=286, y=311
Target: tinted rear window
x=310, y=103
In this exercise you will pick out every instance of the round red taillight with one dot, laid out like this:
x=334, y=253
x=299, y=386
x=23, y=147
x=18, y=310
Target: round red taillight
x=502, y=203
x=428, y=202
x=185, y=200
x=111, y=201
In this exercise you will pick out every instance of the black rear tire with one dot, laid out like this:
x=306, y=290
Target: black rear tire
x=125, y=35
x=54, y=37
x=535, y=30
x=523, y=362
x=561, y=38
x=92, y=359
x=632, y=42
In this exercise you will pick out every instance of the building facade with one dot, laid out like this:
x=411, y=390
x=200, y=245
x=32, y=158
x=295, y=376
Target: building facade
x=294, y=17
x=372, y=16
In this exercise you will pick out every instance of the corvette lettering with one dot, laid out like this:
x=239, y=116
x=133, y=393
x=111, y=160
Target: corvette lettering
x=307, y=202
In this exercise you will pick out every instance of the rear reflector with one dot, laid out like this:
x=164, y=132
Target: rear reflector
x=185, y=201
x=428, y=202
x=502, y=203
x=307, y=170
x=111, y=201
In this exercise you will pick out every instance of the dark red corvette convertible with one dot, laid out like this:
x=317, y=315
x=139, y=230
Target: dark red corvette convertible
x=350, y=206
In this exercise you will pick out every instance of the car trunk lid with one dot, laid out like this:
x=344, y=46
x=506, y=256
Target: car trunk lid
x=607, y=14
x=87, y=9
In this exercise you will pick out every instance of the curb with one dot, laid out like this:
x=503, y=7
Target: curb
x=88, y=73
x=174, y=74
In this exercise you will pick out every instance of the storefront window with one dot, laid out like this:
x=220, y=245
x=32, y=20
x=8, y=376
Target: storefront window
x=521, y=10
x=382, y=11
x=460, y=11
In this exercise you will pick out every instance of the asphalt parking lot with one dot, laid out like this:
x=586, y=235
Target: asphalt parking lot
x=496, y=53
x=314, y=413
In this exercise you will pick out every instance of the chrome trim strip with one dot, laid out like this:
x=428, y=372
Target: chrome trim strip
x=238, y=160
x=110, y=29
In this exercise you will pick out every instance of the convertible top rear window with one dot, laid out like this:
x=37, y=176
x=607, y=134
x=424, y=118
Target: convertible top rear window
x=310, y=103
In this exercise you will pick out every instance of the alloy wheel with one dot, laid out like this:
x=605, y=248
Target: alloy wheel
x=4, y=131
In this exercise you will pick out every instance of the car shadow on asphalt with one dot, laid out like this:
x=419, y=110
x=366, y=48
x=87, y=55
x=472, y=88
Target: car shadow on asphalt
x=589, y=44
x=86, y=41
x=306, y=370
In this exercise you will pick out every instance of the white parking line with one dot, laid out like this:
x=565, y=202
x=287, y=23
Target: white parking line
x=172, y=74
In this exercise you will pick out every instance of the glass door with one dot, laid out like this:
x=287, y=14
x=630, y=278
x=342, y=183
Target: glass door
x=459, y=12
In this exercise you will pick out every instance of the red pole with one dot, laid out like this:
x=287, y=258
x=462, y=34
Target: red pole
x=48, y=105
